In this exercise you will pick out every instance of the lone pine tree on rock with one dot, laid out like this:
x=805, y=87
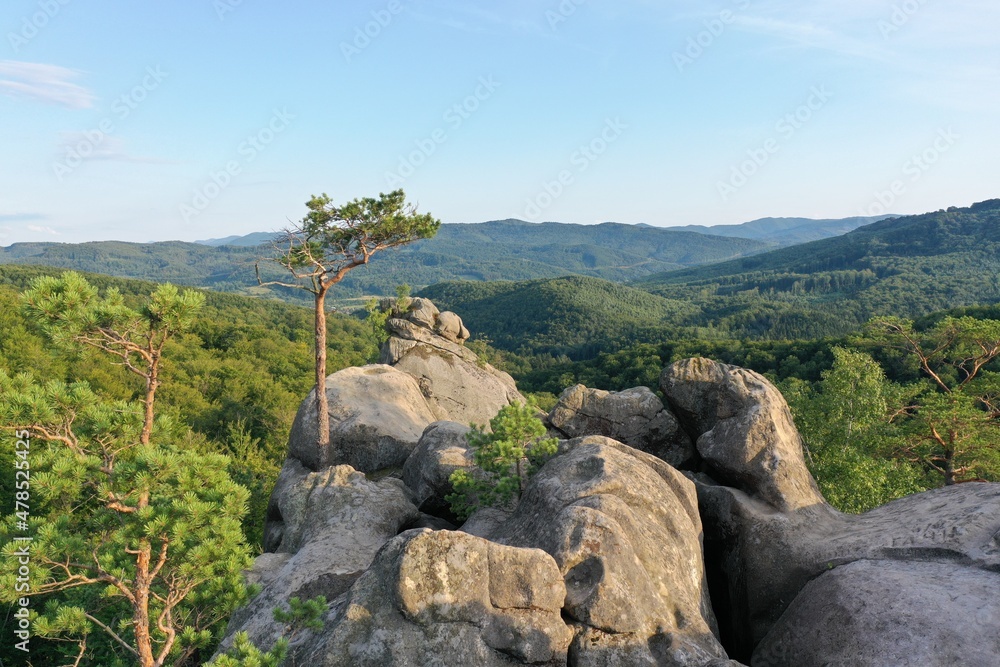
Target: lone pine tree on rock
x=330, y=241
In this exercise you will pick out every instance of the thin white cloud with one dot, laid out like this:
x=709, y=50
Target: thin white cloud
x=108, y=148
x=38, y=229
x=810, y=35
x=50, y=84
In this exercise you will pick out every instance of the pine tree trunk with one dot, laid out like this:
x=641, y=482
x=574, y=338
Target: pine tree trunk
x=140, y=609
x=152, y=383
x=322, y=412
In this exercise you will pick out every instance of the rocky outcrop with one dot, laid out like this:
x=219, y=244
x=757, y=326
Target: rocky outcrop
x=635, y=417
x=872, y=613
x=769, y=533
x=611, y=557
x=429, y=346
x=442, y=450
x=768, y=557
x=624, y=530
x=377, y=415
x=324, y=528
x=743, y=431
x=448, y=598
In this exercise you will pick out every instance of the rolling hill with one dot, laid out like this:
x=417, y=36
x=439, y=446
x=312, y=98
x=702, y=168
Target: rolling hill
x=908, y=266
x=511, y=250
x=575, y=316
x=786, y=231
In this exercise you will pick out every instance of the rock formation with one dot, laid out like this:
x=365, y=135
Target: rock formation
x=429, y=346
x=635, y=417
x=447, y=598
x=332, y=523
x=624, y=529
x=612, y=556
x=442, y=450
x=377, y=414
x=780, y=553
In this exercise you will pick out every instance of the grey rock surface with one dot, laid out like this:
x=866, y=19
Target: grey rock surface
x=458, y=386
x=423, y=313
x=442, y=450
x=743, y=431
x=624, y=529
x=448, y=598
x=635, y=417
x=768, y=557
x=450, y=327
x=927, y=615
x=328, y=527
x=377, y=414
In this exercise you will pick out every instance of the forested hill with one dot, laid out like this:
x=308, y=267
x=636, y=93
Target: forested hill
x=906, y=266
x=576, y=315
x=957, y=231
x=511, y=250
x=786, y=231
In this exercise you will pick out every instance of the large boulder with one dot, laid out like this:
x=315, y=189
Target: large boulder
x=324, y=529
x=442, y=450
x=430, y=346
x=635, y=417
x=624, y=530
x=743, y=431
x=377, y=414
x=767, y=557
x=927, y=615
x=769, y=533
x=448, y=598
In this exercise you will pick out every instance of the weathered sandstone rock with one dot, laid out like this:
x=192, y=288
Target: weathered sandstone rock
x=377, y=415
x=635, y=417
x=442, y=450
x=326, y=528
x=624, y=529
x=448, y=598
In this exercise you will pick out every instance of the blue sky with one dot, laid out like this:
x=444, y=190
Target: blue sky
x=205, y=118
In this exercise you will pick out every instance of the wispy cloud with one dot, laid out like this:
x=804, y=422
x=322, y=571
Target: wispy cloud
x=50, y=84
x=109, y=148
x=39, y=229
x=810, y=35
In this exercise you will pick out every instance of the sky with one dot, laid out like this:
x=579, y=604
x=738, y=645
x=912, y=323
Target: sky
x=197, y=119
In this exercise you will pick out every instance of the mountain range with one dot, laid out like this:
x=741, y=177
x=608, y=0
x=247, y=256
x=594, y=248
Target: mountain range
x=908, y=266
x=786, y=231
